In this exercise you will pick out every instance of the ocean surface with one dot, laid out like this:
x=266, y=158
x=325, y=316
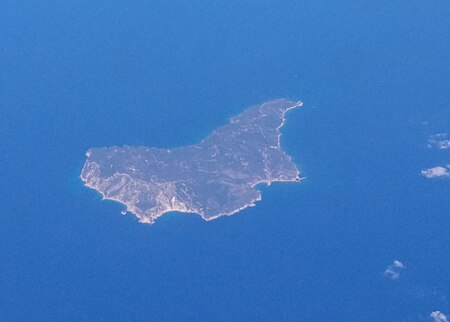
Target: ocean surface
x=374, y=77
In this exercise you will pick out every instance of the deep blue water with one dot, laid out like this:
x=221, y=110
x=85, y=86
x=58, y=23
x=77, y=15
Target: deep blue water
x=375, y=79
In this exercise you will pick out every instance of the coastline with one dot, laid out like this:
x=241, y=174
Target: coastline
x=173, y=206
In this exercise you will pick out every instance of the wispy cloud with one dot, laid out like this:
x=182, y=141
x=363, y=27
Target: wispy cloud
x=394, y=269
x=436, y=172
x=438, y=316
x=440, y=141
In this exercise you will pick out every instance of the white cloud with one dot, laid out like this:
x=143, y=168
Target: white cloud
x=439, y=141
x=443, y=144
x=436, y=172
x=393, y=270
x=393, y=275
x=398, y=264
x=438, y=316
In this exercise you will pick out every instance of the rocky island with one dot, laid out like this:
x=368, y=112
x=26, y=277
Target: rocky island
x=214, y=178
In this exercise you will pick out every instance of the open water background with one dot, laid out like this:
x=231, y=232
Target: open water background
x=374, y=77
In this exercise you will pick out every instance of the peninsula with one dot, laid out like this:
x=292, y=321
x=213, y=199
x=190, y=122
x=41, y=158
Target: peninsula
x=216, y=177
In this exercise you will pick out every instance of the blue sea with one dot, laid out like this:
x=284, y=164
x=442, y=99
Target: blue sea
x=374, y=77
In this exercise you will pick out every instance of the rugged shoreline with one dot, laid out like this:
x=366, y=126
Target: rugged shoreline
x=214, y=178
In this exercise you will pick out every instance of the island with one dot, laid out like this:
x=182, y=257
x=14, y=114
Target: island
x=216, y=177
